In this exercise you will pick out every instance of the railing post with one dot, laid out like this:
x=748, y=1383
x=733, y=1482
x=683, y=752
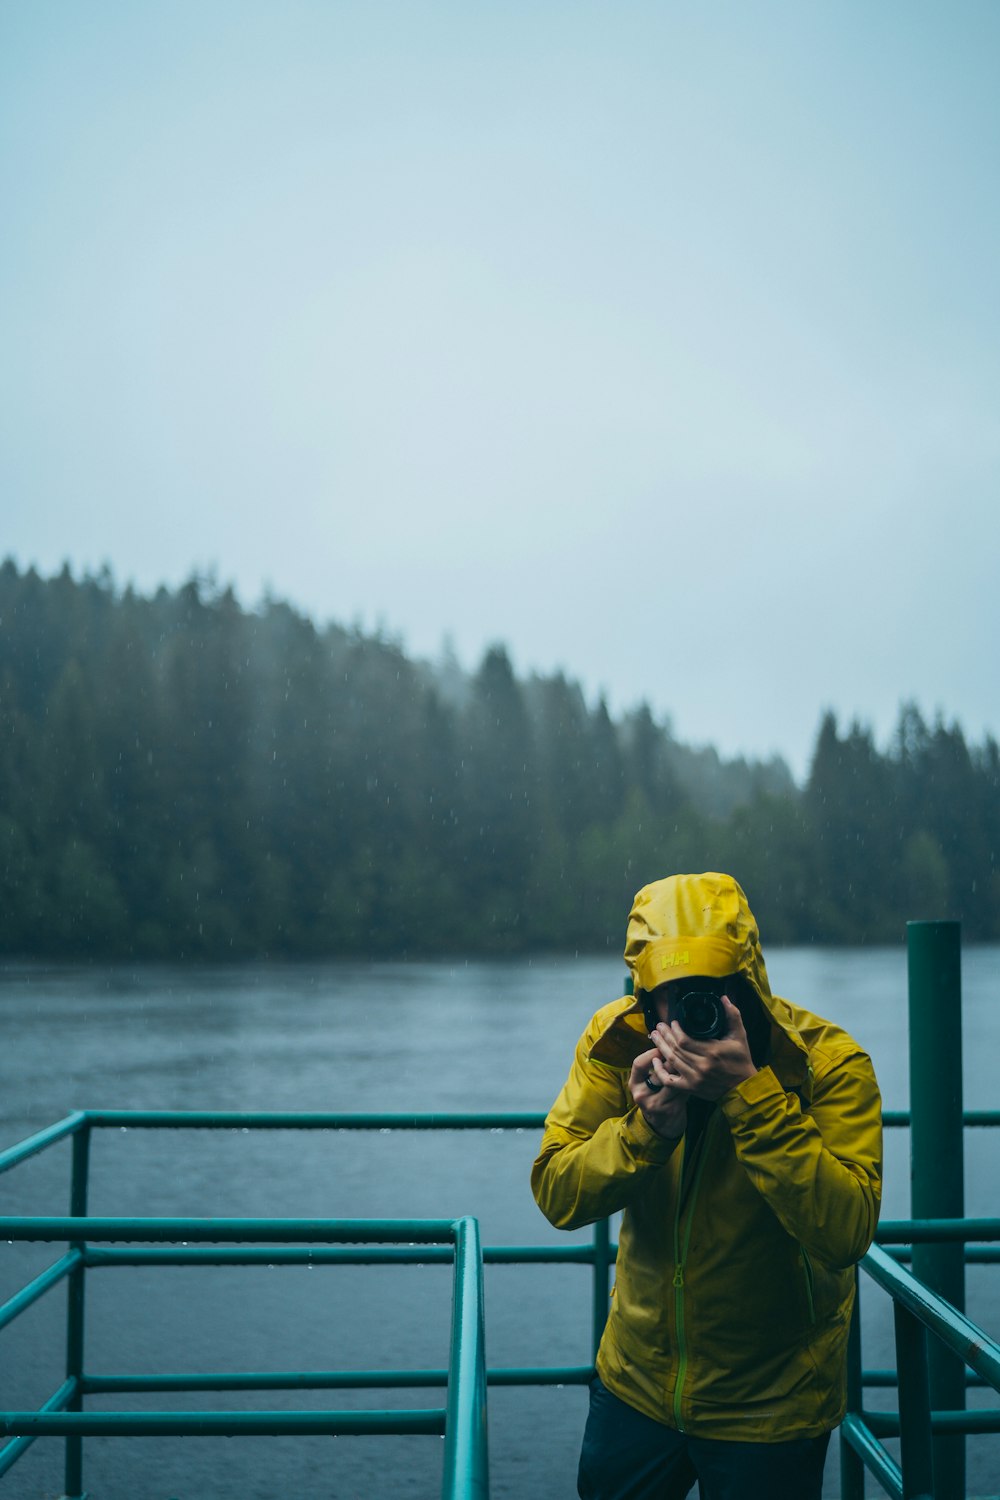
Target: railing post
x=852, y=1468
x=73, y=1478
x=937, y=1176
x=916, y=1446
x=602, y=1261
x=466, y=1454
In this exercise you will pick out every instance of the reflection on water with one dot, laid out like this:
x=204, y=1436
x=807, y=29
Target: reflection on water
x=352, y=1037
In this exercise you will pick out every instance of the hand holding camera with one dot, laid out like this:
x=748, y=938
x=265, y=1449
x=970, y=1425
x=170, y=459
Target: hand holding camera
x=709, y=1053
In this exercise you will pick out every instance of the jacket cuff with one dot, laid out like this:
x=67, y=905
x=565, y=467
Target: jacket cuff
x=762, y=1086
x=644, y=1140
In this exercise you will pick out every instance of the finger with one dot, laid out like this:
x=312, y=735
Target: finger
x=733, y=1014
x=685, y=1071
x=680, y=1051
x=663, y=1067
x=638, y=1078
x=663, y=1041
x=684, y=1045
x=678, y=1069
x=660, y=1070
x=655, y=1079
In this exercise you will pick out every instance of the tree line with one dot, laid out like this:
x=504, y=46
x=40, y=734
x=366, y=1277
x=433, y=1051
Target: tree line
x=182, y=778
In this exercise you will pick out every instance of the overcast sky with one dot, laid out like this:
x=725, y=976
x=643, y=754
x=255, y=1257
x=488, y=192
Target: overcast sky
x=660, y=341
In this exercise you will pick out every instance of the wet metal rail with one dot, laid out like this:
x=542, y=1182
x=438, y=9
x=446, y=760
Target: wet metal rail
x=916, y=1311
x=131, y=1241
x=199, y=1241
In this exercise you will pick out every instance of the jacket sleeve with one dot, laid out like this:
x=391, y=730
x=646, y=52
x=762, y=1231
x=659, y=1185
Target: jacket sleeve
x=597, y=1151
x=820, y=1172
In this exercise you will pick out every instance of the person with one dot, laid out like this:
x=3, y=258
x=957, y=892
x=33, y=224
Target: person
x=746, y=1159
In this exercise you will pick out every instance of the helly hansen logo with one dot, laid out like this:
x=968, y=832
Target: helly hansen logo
x=671, y=960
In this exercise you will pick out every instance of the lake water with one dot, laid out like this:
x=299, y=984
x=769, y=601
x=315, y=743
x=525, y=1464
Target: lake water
x=352, y=1037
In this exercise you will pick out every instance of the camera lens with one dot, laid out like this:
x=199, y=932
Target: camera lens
x=702, y=1016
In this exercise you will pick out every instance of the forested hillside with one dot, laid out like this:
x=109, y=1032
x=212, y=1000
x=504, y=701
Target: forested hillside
x=182, y=778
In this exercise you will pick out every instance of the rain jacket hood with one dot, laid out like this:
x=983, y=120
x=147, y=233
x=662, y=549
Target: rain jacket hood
x=693, y=924
x=697, y=924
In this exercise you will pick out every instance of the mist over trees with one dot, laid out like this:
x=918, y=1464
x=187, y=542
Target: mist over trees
x=181, y=778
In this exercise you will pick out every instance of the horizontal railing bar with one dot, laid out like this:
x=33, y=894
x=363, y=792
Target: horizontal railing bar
x=890, y=1378
x=321, y=1380
x=233, y=1231
x=873, y=1455
x=273, y=1255
x=326, y=1380
x=335, y=1255
x=218, y=1423
x=895, y=1118
x=200, y=1119
x=393, y=1231
x=887, y=1423
x=32, y=1144
x=975, y=1255
x=11, y=1452
x=266, y=1380
x=16, y=1305
x=924, y=1231
x=216, y=1119
x=513, y=1255
x=232, y=1119
x=970, y=1343
x=542, y=1375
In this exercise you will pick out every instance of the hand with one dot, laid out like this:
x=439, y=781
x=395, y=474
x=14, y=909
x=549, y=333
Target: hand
x=705, y=1069
x=664, y=1109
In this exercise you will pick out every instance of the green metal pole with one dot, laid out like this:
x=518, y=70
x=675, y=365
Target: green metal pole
x=74, y=1313
x=937, y=1176
x=602, y=1260
x=466, y=1452
x=914, y=1406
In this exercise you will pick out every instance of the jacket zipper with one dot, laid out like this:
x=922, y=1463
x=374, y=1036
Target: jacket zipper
x=810, y=1297
x=680, y=1259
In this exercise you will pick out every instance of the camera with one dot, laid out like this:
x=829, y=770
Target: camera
x=699, y=1012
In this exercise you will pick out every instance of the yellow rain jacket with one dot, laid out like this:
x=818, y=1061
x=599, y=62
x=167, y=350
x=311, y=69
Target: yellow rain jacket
x=734, y=1286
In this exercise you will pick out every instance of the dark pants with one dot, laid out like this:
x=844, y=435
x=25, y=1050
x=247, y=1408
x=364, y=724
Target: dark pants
x=627, y=1456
